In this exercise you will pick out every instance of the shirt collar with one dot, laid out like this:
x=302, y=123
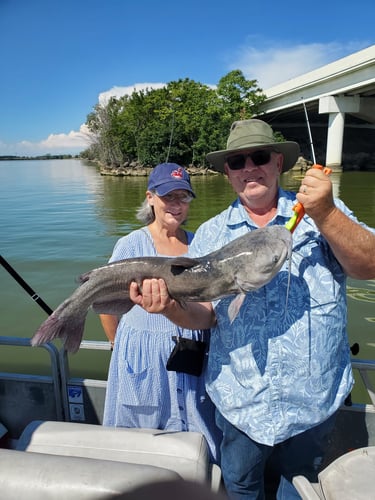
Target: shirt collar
x=238, y=216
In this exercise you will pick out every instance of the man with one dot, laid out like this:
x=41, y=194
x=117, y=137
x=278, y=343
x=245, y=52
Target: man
x=279, y=372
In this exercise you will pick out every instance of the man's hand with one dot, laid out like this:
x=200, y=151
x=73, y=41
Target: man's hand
x=153, y=297
x=315, y=194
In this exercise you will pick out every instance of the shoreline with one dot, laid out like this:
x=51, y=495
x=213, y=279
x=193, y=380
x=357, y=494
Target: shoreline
x=136, y=170
x=142, y=171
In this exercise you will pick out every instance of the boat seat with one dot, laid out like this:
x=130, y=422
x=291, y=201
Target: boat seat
x=3, y=430
x=349, y=477
x=3, y=433
x=185, y=453
x=40, y=476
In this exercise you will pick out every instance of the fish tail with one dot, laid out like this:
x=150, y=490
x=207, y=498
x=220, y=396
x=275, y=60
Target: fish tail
x=70, y=333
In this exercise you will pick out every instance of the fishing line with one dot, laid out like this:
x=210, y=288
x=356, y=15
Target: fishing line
x=288, y=282
x=25, y=286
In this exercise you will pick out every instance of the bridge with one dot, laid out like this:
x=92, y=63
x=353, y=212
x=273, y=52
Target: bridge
x=330, y=111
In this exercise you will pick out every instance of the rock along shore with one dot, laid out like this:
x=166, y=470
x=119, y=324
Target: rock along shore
x=134, y=169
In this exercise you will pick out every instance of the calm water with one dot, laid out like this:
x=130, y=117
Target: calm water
x=60, y=218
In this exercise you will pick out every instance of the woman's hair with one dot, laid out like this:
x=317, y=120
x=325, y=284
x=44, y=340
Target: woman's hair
x=145, y=212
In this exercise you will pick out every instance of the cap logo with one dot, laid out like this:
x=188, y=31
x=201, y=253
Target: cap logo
x=178, y=173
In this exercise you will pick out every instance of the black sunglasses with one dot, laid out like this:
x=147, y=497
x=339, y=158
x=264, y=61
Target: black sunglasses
x=259, y=157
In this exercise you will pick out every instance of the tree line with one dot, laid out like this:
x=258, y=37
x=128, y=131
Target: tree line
x=180, y=122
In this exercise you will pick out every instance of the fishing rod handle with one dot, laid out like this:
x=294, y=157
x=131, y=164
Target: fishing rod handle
x=298, y=209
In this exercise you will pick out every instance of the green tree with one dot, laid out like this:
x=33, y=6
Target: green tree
x=104, y=126
x=240, y=98
x=181, y=122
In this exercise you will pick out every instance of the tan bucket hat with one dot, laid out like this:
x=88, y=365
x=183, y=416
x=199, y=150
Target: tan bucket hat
x=251, y=134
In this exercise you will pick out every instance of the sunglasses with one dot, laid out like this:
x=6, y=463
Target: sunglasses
x=259, y=158
x=182, y=198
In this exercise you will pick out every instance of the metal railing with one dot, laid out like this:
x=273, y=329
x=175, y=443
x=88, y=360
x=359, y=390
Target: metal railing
x=364, y=367
x=66, y=387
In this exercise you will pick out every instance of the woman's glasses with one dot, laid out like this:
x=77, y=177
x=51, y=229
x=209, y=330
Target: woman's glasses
x=182, y=198
x=259, y=158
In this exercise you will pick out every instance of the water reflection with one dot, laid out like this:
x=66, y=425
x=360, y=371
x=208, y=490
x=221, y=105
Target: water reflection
x=355, y=189
x=123, y=195
x=66, y=218
x=121, y=198
x=362, y=294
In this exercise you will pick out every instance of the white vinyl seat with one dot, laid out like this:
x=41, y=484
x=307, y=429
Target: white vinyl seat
x=349, y=477
x=185, y=453
x=40, y=476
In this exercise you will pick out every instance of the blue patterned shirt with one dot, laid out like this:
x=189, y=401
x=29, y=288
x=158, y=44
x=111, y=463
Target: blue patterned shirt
x=283, y=365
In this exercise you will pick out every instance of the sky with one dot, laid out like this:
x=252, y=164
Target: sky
x=60, y=58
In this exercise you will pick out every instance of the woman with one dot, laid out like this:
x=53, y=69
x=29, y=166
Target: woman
x=141, y=392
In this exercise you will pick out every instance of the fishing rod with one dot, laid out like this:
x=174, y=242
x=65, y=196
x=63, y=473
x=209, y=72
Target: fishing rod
x=25, y=286
x=298, y=209
x=309, y=131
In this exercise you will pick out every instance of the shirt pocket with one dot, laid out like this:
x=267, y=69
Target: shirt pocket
x=141, y=388
x=245, y=369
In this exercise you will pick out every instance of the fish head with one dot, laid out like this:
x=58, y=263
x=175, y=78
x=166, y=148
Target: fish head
x=268, y=250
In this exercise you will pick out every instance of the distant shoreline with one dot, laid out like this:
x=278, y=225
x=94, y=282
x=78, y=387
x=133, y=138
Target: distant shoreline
x=41, y=157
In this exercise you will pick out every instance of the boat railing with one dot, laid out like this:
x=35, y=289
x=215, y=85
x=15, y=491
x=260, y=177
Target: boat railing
x=364, y=368
x=70, y=398
x=83, y=398
x=78, y=392
x=19, y=392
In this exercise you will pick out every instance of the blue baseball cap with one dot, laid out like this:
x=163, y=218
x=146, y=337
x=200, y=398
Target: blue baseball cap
x=167, y=177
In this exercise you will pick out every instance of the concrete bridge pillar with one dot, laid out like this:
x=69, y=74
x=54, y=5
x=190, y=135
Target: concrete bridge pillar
x=335, y=138
x=337, y=107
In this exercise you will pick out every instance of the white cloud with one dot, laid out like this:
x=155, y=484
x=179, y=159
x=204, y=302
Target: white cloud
x=121, y=91
x=271, y=63
x=72, y=143
x=73, y=140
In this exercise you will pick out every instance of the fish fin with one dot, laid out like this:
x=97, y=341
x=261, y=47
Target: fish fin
x=184, y=262
x=235, y=306
x=116, y=307
x=83, y=278
x=54, y=327
x=246, y=286
x=182, y=303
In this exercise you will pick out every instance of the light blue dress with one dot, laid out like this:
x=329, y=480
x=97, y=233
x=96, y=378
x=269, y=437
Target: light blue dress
x=140, y=390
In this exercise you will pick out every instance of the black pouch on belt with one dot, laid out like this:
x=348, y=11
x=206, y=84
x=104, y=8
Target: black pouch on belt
x=187, y=356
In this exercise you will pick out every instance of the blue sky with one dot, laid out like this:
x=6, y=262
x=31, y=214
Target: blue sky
x=59, y=58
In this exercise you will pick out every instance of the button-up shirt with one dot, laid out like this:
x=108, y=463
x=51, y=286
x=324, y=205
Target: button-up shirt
x=283, y=365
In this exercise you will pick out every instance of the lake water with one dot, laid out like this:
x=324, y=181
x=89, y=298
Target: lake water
x=60, y=218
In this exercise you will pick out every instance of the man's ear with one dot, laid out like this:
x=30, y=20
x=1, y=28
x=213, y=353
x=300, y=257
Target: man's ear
x=280, y=162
